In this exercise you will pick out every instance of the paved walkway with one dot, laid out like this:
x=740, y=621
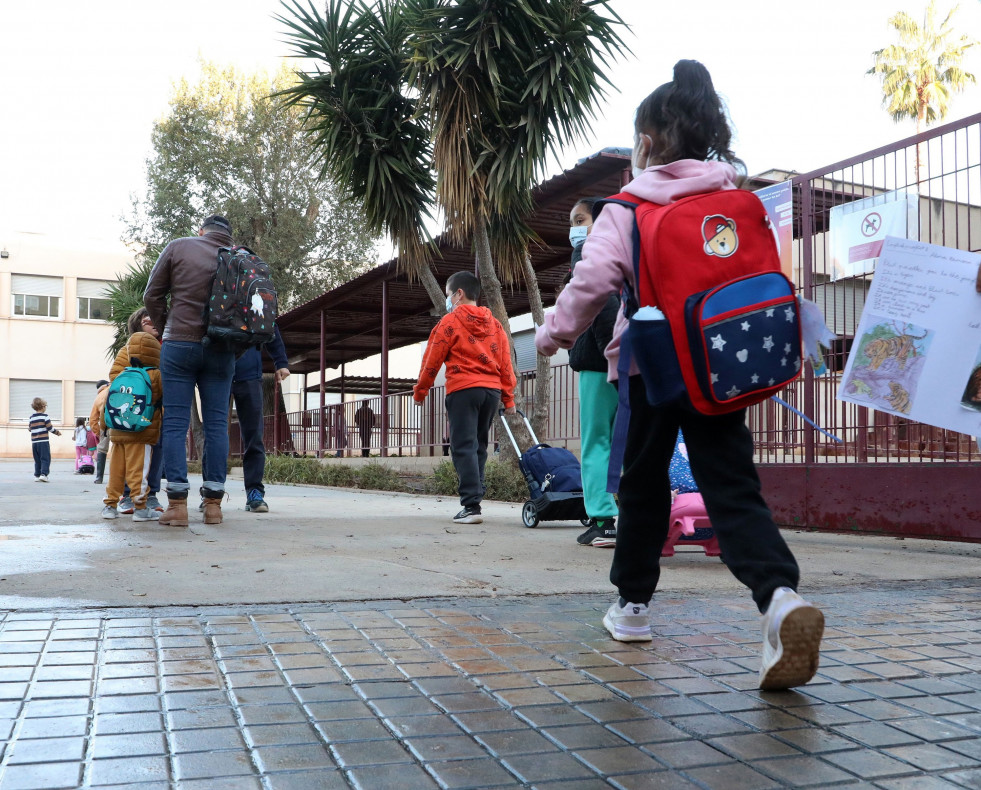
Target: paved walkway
x=451, y=690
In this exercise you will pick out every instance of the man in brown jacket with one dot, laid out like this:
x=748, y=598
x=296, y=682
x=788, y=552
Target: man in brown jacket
x=185, y=271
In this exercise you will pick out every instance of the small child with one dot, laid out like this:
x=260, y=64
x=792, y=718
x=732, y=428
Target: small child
x=81, y=442
x=40, y=426
x=130, y=458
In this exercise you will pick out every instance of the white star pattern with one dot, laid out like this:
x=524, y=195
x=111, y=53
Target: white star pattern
x=783, y=362
x=754, y=378
x=770, y=383
x=769, y=312
x=733, y=391
x=797, y=364
x=768, y=343
x=789, y=313
x=715, y=378
x=717, y=343
x=786, y=348
x=745, y=326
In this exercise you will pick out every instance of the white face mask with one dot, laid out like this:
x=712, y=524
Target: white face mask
x=578, y=235
x=449, y=303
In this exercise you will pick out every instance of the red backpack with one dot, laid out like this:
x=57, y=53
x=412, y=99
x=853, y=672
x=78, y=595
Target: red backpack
x=730, y=333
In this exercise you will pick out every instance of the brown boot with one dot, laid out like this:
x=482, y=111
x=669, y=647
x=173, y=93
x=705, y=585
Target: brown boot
x=176, y=514
x=212, y=511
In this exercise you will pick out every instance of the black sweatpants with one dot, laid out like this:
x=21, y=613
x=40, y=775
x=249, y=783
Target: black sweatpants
x=720, y=449
x=248, y=407
x=470, y=414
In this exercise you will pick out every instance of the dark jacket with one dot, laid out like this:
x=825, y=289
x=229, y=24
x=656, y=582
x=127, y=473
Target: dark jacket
x=587, y=352
x=184, y=270
x=248, y=367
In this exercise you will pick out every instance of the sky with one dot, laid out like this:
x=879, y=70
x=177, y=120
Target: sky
x=81, y=85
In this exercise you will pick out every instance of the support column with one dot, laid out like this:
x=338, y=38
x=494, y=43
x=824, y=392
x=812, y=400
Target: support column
x=384, y=371
x=323, y=381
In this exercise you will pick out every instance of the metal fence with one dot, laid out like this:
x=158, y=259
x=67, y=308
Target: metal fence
x=942, y=171
x=343, y=429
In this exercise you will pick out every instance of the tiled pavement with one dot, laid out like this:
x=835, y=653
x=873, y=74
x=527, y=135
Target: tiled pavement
x=485, y=692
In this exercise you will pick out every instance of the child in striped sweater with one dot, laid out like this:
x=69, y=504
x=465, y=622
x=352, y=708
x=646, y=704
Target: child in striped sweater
x=40, y=426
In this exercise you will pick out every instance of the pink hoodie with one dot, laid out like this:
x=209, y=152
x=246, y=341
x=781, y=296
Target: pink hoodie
x=607, y=257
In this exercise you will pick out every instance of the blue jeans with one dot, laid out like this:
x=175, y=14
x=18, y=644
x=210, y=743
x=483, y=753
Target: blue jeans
x=42, y=457
x=182, y=366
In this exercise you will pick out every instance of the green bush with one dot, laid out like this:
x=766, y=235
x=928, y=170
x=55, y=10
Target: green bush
x=504, y=481
x=378, y=477
x=444, y=480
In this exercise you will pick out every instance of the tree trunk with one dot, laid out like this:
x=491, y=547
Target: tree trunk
x=490, y=286
x=431, y=284
x=543, y=364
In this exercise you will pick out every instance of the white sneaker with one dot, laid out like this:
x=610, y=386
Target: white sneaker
x=631, y=623
x=792, y=630
x=43, y=478
x=146, y=514
x=110, y=512
x=37, y=478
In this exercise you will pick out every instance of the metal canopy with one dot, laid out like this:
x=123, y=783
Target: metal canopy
x=362, y=385
x=353, y=311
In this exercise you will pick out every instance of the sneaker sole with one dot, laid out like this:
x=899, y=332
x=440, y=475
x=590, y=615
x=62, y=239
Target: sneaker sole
x=604, y=543
x=623, y=633
x=800, y=636
x=469, y=520
x=260, y=509
x=141, y=518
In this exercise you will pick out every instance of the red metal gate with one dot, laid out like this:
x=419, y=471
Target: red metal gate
x=889, y=475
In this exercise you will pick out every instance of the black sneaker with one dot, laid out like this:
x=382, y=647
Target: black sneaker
x=602, y=533
x=255, y=503
x=469, y=515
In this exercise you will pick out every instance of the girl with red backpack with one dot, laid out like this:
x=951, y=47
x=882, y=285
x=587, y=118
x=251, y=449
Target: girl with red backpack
x=681, y=148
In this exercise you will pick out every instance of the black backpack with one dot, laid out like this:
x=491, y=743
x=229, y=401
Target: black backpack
x=243, y=306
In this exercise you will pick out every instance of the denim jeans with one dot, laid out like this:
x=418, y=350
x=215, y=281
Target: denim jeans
x=42, y=458
x=182, y=366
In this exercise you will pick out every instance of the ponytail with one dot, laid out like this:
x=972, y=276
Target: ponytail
x=686, y=118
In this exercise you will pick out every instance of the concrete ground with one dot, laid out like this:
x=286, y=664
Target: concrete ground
x=361, y=639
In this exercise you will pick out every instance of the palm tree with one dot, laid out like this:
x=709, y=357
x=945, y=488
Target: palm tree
x=479, y=91
x=924, y=70
x=365, y=125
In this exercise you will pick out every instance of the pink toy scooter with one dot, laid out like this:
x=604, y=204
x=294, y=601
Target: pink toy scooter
x=690, y=526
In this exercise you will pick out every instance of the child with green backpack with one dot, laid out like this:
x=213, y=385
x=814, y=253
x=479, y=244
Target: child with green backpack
x=133, y=414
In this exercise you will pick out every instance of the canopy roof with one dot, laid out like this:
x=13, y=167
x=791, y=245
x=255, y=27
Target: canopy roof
x=353, y=311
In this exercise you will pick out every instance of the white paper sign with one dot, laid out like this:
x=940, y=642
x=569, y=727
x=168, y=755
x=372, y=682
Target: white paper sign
x=859, y=228
x=917, y=349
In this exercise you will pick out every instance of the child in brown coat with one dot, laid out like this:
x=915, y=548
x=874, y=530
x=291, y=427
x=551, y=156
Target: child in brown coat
x=130, y=457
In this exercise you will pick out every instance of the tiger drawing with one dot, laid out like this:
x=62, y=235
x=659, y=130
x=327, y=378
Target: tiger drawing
x=898, y=397
x=900, y=348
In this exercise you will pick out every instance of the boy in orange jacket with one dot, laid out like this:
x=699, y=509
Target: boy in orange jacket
x=479, y=376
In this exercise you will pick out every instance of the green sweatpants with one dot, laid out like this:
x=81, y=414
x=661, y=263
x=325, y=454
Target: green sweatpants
x=597, y=411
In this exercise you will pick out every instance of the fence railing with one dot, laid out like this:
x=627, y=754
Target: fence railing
x=355, y=427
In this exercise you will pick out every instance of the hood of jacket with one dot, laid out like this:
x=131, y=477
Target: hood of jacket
x=473, y=319
x=667, y=183
x=144, y=347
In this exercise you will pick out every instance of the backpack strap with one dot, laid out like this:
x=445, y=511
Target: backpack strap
x=621, y=424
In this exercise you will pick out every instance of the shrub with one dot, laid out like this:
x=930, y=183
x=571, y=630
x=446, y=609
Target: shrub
x=378, y=478
x=505, y=482
x=444, y=480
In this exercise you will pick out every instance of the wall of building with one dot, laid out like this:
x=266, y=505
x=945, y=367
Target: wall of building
x=62, y=351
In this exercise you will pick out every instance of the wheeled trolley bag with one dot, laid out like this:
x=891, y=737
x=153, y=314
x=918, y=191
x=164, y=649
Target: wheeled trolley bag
x=554, y=479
